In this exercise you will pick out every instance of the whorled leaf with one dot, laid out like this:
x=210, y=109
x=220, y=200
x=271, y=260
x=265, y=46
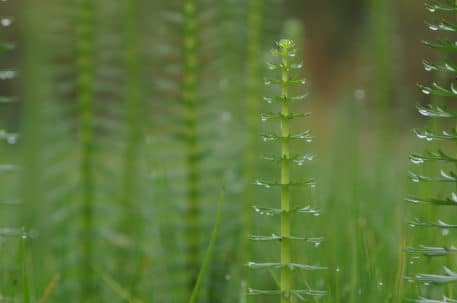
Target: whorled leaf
x=435, y=111
x=445, y=177
x=274, y=237
x=432, y=156
x=443, y=45
x=446, y=278
x=269, y=184
x=291, y=266
x=426, y=300
x=447, y=66
x=301, y=136
x=452, y=200
x=298, y=293
x=283, y=99
x=434, y=6
x=277, y=211
x=442, y=26
x=431, y=251
x=438, y=90
x=438, y=224
x=272, y=116
x=430, y=136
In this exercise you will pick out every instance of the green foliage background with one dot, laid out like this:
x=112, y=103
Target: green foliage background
x=121, y=121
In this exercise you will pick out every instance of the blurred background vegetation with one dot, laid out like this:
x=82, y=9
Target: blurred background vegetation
x=124, y=119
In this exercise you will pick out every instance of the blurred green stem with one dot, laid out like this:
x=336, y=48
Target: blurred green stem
x=133, y=135
x=192, y=151
x=85, y=100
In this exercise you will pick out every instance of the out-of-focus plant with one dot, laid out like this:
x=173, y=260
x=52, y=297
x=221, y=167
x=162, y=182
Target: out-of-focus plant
x=431, y=287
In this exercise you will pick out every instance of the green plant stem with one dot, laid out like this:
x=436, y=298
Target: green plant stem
x=25, y=271
x=191, y=148
x=133, y=109
x=209, y=252
x=285, y=174
x=85, y=100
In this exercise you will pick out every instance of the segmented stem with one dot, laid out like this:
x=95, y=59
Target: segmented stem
x=285, y=178
x=444, y=160
x=288, y=78
x=133, y=134
x=192, y=151
x=85, y=100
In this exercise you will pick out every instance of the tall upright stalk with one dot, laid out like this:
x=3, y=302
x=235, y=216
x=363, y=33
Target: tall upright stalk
x=85, y=101
x=285, y=52
x=285, y=173
x=189, y=98
x=441, y=174
x=133, y=134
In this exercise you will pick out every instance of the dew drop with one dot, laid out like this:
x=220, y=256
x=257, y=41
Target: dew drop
x=426, y=91
x=445, y=232
x=12, y=139
x=416, y=160
x=359, y=94
x=268, y=100
x=338, y=269
x=226, y=117
x=5, y=22
x=7, y=74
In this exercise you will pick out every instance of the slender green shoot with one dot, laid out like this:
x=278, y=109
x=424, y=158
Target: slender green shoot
x=209, y=252
x=85, y=100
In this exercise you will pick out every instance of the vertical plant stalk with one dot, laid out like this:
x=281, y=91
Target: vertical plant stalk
x=133, y=108
x=25, y=271
x=285, y=177
x=189, y=97
x=85, y=101
x=445, y=161
x=288, y=78
x=253, y=97
x=210, y=250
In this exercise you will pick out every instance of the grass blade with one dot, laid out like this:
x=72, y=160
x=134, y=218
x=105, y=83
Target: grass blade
x=209, y=252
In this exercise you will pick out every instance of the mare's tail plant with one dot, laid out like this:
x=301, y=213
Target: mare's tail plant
x=439, y=252
x=287, y=265
x=186, y=151
x=85, y=101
